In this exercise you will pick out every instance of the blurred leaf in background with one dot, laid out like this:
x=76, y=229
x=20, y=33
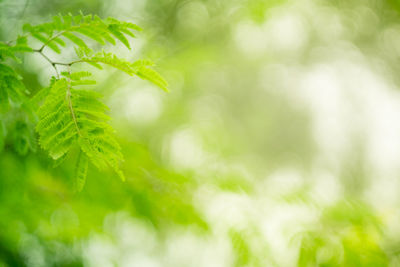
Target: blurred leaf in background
x=278, y=144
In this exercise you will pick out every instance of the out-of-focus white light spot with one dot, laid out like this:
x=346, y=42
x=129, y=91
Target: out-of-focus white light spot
x=129, y=242
x=321, y=86
x=283, y=181
x=32, y=250
x=280, y=223
x=382, y=125
x=131, y=233
x=349, y=101
x=143, y=106
x=186, y=149
x=136, y=259
x=227, y=210
x=326, y=189
x=382, y=193
x=187, y=249
x=100, y=252
x=286, y=31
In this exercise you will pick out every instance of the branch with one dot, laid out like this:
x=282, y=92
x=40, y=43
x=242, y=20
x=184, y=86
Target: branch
x=54, y=63
x=70, y=29
x=51, y=39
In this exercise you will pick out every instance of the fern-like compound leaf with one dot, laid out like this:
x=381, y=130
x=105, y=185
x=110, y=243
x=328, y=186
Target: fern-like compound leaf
x=152, y=76
x=72, y=117
x=55, y=127
x=8, y=50
x=111, y=60
x=12, y=90
x=81, y=171
x=23, y=137
x=75, y=28
x=140, y=68
x=69, y=117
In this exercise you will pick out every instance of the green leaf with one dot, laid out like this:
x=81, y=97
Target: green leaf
x=53, y=46
x=114, y=29
x=91, y=34
x=96, y=65
x=112, y=60
x=76, y=40
x=81, y=171
x=71, y=117
x=12, y=90
x=152, y=76
x=59, y=41
x=77, y=75
x=23, y=138
x=59, y=161
x=4, y=103
x=40, y=37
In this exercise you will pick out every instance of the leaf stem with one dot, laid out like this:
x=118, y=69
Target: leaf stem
x=51, y=39
x=68, y=97
x=53, y=64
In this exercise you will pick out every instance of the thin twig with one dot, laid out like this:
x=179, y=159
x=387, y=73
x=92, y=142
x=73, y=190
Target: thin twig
x=51, y=39
x=52, y=63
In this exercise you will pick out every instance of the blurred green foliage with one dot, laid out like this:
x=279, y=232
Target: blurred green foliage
x=226, y=170
x=349, y=235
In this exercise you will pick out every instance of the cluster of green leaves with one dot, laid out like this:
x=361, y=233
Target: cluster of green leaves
x=7, y=50
x=70, y=118
x=156, y=195
x=73, y=27
x=140, y=68
x=346, y=230
x=12, y=90
x=15, y=114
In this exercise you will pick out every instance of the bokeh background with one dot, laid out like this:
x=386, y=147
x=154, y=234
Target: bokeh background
x=278, y=145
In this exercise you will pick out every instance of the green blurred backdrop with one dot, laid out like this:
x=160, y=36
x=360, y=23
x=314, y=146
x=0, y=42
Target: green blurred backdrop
x=278, y=145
